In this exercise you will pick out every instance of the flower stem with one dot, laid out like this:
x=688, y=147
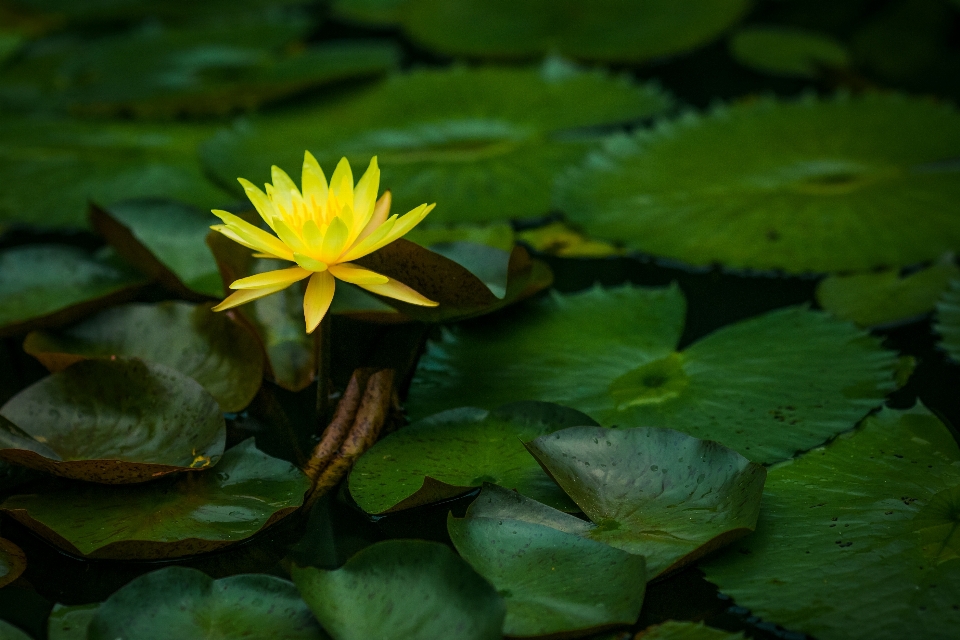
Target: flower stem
x=322, y=345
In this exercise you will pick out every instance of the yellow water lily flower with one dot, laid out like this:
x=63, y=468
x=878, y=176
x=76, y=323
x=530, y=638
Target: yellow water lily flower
x=321, y=229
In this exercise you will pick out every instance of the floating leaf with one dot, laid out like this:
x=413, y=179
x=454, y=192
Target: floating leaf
x=10, y=632
x=51, y=285
x=165, y=239
x=498, y=235
x=403, y=590
x=654, y=492
x=885, y=297
x=483, y=143
x=766, y=387
x=70, y=623
x=612, y=30
x=10, y=42
x=171, y=517
x=455, y=451
x=783, y=51
x=375, y=12
x=53, y=167
x=215, y=349
x=858, y=539
x=948, y=320
x=113, y=421
x=673, y=630
x=798, y=181
x=210, y=69
x=552, y=582
x=560, y=239
x=177, y=602
x=12, y=560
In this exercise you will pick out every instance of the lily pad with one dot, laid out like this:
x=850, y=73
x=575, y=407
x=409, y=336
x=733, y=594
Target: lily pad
x=798, y=181
x=177, y=602
x=784, y=51
x=70, y=622
x=767, y=387
x=492, y=161
x=948, y=320
x=455, y=451
x=209, y=69
x=610, y=30
x=113, y=421
x=215, y=349
x=674, y=630
x=51, y=285
x=560, y=239
x=885, y=297
x=54, y=167
x=171, y=517
x=12, y=561
x=373, y=12
x=165, y=239
x=10, y=632
x=858, y=539
x=655, y=492
x=552, y=582
x=403, y=590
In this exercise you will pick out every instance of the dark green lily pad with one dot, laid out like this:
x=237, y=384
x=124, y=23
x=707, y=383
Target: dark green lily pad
x=10, y=632
x=113, y=421
x=948, y=320
x=54, y=167
x=885, y=297
x=858, y=539
x=171, y=517
x=654, y=492
x=491, y=162
x=783, y=51
x=403, y=590
x=552, y=582
x=215, y=349
x=375, y=12
x=799, y=180
x=455, y=451
x=12, y=561
x=608, y=30
x=210, y=69
x=10, y=42
x=51, y=285
x=766, y=387
x=70, y=623
x=177, y=602
x=674, y=630
x=165, y=239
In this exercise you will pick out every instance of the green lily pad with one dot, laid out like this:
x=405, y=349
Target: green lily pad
x=373, y=12
x=171, y=517
x=210, y=69
x=455, y=451
x=885, y=297
x=948, y=320
x=54, y=167
x=10, y=632
x=655, y=492
x=403, y=590
x=783, y=51
x=51, y=285
x=498, y=235
x=490, y=162
x=10, y=42
x=177, y=602
x=552, y=582
x=277, y=318
x=165, y=239
x=767, y=387
x=113, y=421
x=70, y=623
x=674, y=630
x=12, y=561
x=215, y=349
x=858, y=539
x=611, y=30
x=781, y=185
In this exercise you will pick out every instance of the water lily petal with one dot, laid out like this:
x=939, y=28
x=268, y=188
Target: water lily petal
x=318, y=298
x=246, y=295
x=291, y=239
x=365, y=198
x=271, y=278
x=311, y=264
x=283, y=188
x=398, y=230
x=399, y=291
x=254, y=237
x=381, y=210
x=362, y=247
x=341, y=182
x=260, y=201
x=334, y=241
x=313, y=182
x=312, y=235
x=355, y=274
